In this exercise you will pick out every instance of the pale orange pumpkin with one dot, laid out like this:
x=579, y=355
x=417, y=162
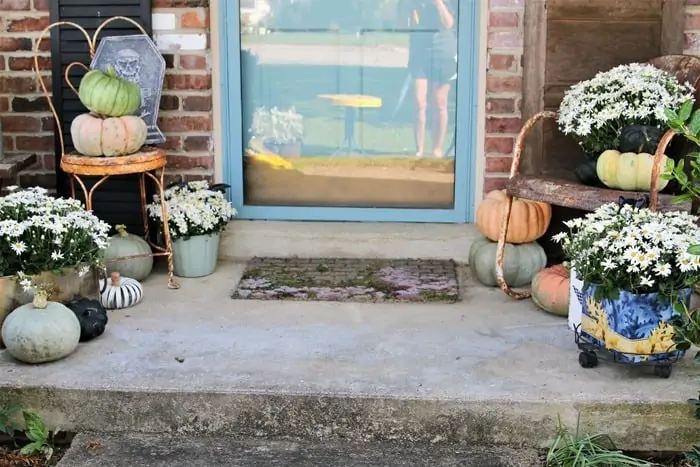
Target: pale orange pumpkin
x=529, y=220
x=550, y=290
x=116, y=136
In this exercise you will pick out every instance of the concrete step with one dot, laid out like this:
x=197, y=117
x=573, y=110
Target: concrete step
x=246, y=239
x=130, y=450
x=486, y=371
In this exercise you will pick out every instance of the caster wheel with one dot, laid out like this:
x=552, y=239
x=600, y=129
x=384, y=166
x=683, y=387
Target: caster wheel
x=588, y=359
x=662, y=371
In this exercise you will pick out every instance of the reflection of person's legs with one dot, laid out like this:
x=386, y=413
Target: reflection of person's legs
x=439, y=94
x=421, y=96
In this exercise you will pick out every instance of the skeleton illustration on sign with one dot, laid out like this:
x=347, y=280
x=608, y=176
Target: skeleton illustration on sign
x=137, y=59
x=128, y=66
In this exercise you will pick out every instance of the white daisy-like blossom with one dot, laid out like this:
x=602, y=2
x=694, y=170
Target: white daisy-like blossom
x=594, y=111
x=41, y=233
x=637, y=250
x=193, y=209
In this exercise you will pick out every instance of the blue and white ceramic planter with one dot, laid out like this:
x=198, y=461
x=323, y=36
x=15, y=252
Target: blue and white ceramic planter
x=633, y=327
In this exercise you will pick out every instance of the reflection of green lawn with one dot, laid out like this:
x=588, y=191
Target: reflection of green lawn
x=385, y=160
x=328, y=38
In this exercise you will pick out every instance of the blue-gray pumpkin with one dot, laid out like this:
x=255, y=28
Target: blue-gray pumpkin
x=520, y=262
x=125, y=244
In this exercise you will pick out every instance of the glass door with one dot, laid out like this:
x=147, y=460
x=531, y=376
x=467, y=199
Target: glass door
x=355, y=110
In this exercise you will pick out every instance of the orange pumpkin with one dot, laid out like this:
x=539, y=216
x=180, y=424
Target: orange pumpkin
x=550, y=290
x=529, y=220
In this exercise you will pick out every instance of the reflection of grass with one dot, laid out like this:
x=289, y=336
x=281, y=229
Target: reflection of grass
x=328, y=38
x=379, y=161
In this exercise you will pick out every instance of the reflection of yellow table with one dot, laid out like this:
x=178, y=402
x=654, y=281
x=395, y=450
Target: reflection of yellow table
x=352, y=103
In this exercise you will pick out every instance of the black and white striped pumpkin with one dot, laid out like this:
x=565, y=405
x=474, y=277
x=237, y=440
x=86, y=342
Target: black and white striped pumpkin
x=120, y=292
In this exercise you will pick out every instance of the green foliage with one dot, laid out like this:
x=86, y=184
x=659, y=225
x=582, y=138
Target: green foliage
x=8, y=424
x=587, y=451
x=38, y=435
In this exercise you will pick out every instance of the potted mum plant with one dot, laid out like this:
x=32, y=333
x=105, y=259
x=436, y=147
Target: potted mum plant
x=47, y=242
x=636, y=269
x=280, y=130
x=197, y=214
x=622, y=109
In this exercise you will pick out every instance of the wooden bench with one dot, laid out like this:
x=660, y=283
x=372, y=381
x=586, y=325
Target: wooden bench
x=562, y=189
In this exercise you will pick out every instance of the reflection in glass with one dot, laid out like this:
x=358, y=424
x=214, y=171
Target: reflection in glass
x=349, y=104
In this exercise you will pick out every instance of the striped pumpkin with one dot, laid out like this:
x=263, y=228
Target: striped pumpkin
x=120, y=292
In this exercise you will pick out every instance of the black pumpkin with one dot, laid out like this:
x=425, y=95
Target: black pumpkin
x=639, y=138
x=587, y=174
x=92, y=317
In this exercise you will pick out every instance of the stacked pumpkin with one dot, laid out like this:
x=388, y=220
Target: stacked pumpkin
x=629, y=166
x=523, y=256
x=110, y=129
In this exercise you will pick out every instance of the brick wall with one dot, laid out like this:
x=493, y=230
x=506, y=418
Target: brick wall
x=181, y=30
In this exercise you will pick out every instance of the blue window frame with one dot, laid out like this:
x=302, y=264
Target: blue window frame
x=465, y=137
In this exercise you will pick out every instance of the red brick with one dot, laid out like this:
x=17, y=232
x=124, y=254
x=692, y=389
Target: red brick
x=34, y=143
x=692, y=21
x=498, y=164
x=197, y=143
x=197, y=103
x=4, y=104
x=503, y=125
x=20, y=124
x=508, y=19
x=48, y=161
x=14, y=44
x=28, y=24
x=27, y=63
x=507, y=4
x=185, y=123
x=505, y=105
x=179, y=162
x=499, y=145
x=502, y=62
x=504, y=83
x=8, y=143
x=14, y=5
x=494, y=183
x=47, y=123
x=193, y=20
x=193, y=62
x=172, y=143
x=2, y=63
x=188, y=82
x=169, y=102
x=17, y=85
x=43, y=179
x=42, y=5
x=505, y=39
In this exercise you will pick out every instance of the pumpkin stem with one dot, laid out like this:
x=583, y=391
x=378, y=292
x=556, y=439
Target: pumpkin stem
x=111, y=71
x=115, y=279
x=121, y=230
x=41, y=299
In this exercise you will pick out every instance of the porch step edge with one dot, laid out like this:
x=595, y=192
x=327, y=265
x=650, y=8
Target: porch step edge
x=244, y=239
x=650, y=425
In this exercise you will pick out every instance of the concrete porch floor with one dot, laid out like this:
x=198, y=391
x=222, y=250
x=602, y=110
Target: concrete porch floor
x=484, y=371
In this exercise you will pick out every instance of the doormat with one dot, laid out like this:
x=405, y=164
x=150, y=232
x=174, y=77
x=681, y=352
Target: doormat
x=354, y=280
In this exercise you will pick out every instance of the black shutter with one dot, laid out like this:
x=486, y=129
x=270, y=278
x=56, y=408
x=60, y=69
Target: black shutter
x=117, y=201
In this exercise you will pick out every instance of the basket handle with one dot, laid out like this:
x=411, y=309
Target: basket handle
x=67, y=75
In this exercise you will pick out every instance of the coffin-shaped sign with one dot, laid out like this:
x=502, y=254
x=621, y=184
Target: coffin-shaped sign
x=137, y=59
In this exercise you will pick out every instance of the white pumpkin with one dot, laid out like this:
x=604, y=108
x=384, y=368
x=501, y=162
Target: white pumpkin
x=120, y=292
x=124, y=244
x=41, y=331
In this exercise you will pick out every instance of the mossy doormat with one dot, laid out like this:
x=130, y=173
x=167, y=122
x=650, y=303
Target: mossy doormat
x=355, y=280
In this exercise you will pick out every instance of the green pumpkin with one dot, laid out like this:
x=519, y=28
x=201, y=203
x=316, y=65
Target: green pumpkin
x=108, y=95
x=125, y=244
x=639, y=139
x=520, y=262
x=586, y=173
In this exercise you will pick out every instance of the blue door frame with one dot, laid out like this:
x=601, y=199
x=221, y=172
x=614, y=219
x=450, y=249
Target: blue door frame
x=466, y=122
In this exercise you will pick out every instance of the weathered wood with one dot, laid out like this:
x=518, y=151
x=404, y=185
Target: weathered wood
x=574, y=195
x=147, y=159
x=567, y=41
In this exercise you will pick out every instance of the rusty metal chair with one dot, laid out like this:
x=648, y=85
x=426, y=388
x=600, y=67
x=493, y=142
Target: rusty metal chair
x=569, y=194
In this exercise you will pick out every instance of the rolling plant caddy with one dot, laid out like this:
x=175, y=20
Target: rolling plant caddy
x=636, y=272
x=197, y=215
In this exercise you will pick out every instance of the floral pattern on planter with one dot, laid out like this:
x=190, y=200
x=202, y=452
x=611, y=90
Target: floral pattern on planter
x=633, y=327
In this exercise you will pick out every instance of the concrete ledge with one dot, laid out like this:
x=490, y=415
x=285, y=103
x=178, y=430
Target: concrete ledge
x=246, y=239
x=633, y=426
